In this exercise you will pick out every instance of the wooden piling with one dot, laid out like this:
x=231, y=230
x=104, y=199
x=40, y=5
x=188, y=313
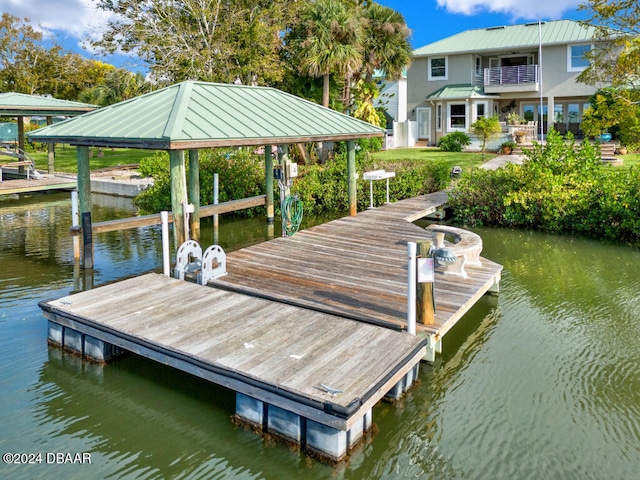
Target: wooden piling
x=194, y=194
x=178, y=195
x=351, y=175
x=268, y=171
x=426, y=305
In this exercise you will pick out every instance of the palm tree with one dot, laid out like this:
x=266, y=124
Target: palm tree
x=326, y=41
x=385, y=41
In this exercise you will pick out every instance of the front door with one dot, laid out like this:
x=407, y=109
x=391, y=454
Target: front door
x=424, y=123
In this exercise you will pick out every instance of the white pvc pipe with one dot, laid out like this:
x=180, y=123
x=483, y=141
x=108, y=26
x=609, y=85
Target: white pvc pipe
x=215, y=202
x=412, y=269
x=75, y=222
x=164, y=216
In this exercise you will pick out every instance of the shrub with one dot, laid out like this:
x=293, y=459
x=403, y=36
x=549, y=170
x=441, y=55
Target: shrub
x=454, y=142
x=561, y=187
x=486, y=128
x=240, y=175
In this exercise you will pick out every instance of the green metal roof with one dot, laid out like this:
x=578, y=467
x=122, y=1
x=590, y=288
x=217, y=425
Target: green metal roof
x=509, y=37
x=19, y=104
x=459, y=91
x=192, y=115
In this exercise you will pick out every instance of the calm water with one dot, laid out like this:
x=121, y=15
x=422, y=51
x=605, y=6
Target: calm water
x=540, y=382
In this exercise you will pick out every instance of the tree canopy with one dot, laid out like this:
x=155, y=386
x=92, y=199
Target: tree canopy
x=615, y=58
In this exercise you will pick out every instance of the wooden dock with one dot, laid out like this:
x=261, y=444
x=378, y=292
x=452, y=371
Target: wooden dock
x=44, y=183
x=307, y=330
x=283, y=361
x=356, y=267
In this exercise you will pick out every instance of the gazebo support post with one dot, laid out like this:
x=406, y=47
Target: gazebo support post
x=268, y=171
x=50, y=150
x=178, y=195
x=351, y=175
x=84, y=202
x=194, y=194
x=20, y=121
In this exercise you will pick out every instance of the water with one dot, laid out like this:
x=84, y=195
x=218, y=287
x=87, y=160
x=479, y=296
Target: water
x=540, y=382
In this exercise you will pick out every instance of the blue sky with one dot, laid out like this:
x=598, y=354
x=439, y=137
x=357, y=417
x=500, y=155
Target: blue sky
x=71, y=21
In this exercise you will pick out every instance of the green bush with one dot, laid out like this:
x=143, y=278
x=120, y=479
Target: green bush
x=240, y=175
x=561, y=187
x=454, y=142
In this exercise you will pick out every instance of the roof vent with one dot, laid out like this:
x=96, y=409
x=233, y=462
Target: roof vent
x=532, y=24
x=495, y=28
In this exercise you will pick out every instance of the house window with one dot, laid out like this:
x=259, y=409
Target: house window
x=457, y=116
x=439, y=117
x=576, y=60
x=481, y=109
x=438, y=68
x=478, y=65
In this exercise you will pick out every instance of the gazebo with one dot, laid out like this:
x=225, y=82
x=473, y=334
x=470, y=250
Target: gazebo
x=192, y=115
x=20, y=105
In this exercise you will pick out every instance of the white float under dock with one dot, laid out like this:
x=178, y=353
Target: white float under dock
x=309, y=377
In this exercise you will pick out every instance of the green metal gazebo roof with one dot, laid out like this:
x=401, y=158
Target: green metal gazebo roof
x=510, y=36
x=459, y=91
x=19, y=104
x=191, y=115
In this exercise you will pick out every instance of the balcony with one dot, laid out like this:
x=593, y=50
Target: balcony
x=517, y=78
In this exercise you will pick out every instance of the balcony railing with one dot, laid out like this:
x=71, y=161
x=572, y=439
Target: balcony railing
x=516, y=75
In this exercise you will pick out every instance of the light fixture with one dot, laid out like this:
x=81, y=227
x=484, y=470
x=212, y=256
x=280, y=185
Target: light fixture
x=445, y=256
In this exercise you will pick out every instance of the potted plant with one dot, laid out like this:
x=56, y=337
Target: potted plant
x=621, y=150
x=507, y=147
x=520, y=135
x=514, y=119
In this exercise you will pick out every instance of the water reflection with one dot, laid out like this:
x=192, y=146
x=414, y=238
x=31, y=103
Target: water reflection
x=541, y=381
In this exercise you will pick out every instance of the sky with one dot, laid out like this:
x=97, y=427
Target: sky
x=73, y=21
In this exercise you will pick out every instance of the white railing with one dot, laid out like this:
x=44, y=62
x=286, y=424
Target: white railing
x=516, y=75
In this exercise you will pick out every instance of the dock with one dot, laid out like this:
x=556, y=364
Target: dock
x=356, y=267
x=43, y=183
x=308, y=377
x=308, y=330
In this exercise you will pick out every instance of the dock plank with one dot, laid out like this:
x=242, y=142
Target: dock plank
x=218, y=332
x=356, y=267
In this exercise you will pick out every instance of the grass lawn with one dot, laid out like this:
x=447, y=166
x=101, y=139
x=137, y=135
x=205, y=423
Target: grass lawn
x=66, y=159
x=631, y=160
x=465, y=160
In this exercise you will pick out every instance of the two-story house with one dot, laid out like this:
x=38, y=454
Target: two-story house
x=529, y=69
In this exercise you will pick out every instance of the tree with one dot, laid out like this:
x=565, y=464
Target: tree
x=486, y=128
x=21, y=55
x=615, y=60
x=386, y=44
x=116, y=86
x=325, y=41
x=207, y=40
x=616, y=111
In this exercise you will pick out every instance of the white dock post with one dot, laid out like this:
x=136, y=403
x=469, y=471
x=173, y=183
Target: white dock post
x=164, y=215
x=75, y=223
x=215, y=202
x=412, y=251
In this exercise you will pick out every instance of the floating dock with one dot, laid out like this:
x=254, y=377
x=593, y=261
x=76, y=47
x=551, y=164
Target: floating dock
x=309, y=377
x=307, y=330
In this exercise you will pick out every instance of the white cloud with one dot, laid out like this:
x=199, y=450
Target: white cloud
x=518, y=9
x=76, y=18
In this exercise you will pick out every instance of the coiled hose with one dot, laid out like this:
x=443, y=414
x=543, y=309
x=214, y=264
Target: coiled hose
x=291, y=214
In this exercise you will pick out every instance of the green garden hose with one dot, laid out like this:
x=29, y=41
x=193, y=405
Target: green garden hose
x=291, y=214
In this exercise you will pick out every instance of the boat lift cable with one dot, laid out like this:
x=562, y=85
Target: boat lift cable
x=291, y=214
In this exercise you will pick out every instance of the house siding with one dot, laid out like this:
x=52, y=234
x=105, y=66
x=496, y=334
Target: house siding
x=559, y=86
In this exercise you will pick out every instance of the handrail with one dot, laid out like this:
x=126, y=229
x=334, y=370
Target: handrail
x=512, y=75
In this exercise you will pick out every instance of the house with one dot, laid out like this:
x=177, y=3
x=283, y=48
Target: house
x=393, y=98
x=499, y=70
